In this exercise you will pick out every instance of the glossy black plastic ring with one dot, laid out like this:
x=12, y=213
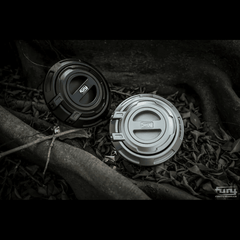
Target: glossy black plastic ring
x=77, y=93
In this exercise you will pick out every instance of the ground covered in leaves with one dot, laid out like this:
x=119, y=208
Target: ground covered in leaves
x=202, y=163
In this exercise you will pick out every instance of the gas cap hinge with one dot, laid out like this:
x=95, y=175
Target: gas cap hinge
x=117, y=137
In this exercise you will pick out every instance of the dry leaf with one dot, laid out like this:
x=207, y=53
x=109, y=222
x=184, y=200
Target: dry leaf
x=64, y=196
x=165, y=180
x=52, y=198
x=193, y=145
x=218, y=137
x=196, y=170
x=196, y=134
x=184, y=109
x=15, y=76
x=36, y=114
x=27, y=107
x=232, y=157
x=194, y=156
x=226, y=137
x=228, y=146
x=173, y=96
x=27, y=197
x=33, y=193
x=143, y=173
x=221, y=163
x=208, y=188
x=232, y=164
x=17, y=193
x=150, y=178
x=187, y=186
x=233, y=175
x=218, y=152
x=199, y=181
x=128, y=167
x=183, y=98
x=52, y=189
x=32, y=169
x=42, y=191
x=191, y=107
x=218, y=182
x=185, y=115
x=210, y=148
x=236, y=146
x=98, y=153
x=159, y=168
x=195, y=120
x=173, y=174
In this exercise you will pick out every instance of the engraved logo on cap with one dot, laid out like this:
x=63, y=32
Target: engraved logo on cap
x=83, y=89
x=146, y=124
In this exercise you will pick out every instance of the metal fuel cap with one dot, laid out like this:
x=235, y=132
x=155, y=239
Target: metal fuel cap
x=146, y=129
x=77, y=93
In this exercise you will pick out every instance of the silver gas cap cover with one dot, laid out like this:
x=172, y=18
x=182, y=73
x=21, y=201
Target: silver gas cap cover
x=146, y=129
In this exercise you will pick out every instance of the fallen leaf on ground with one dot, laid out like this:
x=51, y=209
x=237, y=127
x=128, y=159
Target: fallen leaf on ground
x=34, y=193
x=232, y=164
x=208, y=188
x=17, y=193
x=64, y=196
x=159, y=168
x=185, y=115
x=173, y=174
x=236, y=146
x=221, y=163
x=228, y=146
x=183, y=98
x=150, y=178
x=32, y=169
x=218, y=182
x=143, y=173
x=218, y=151
x=165, y=180
x=42, y=191
x=128, y=167
x=195, y=120
x=196, y=170
x=226, y=137
x=210, y=148
x=199, y=181
x=196, y=134
x=187, y=186
x=27, y=197
x=233, y=175
x=52, y=198
x=191, y=106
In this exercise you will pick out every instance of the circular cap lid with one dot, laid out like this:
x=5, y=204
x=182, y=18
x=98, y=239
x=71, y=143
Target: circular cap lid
x=146, y=129
x=76, y=93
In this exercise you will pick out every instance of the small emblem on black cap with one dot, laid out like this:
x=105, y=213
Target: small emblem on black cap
x=83, y=89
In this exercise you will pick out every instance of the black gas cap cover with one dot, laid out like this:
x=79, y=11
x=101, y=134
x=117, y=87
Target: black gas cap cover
x=77, y=93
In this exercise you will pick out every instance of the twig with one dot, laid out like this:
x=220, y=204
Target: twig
x=127, y=94
x=49, y=152
x=33, y=178
x=35, y=142
x=16, y=167
x=30, y=175
x=20, y=87
x=3, y=184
